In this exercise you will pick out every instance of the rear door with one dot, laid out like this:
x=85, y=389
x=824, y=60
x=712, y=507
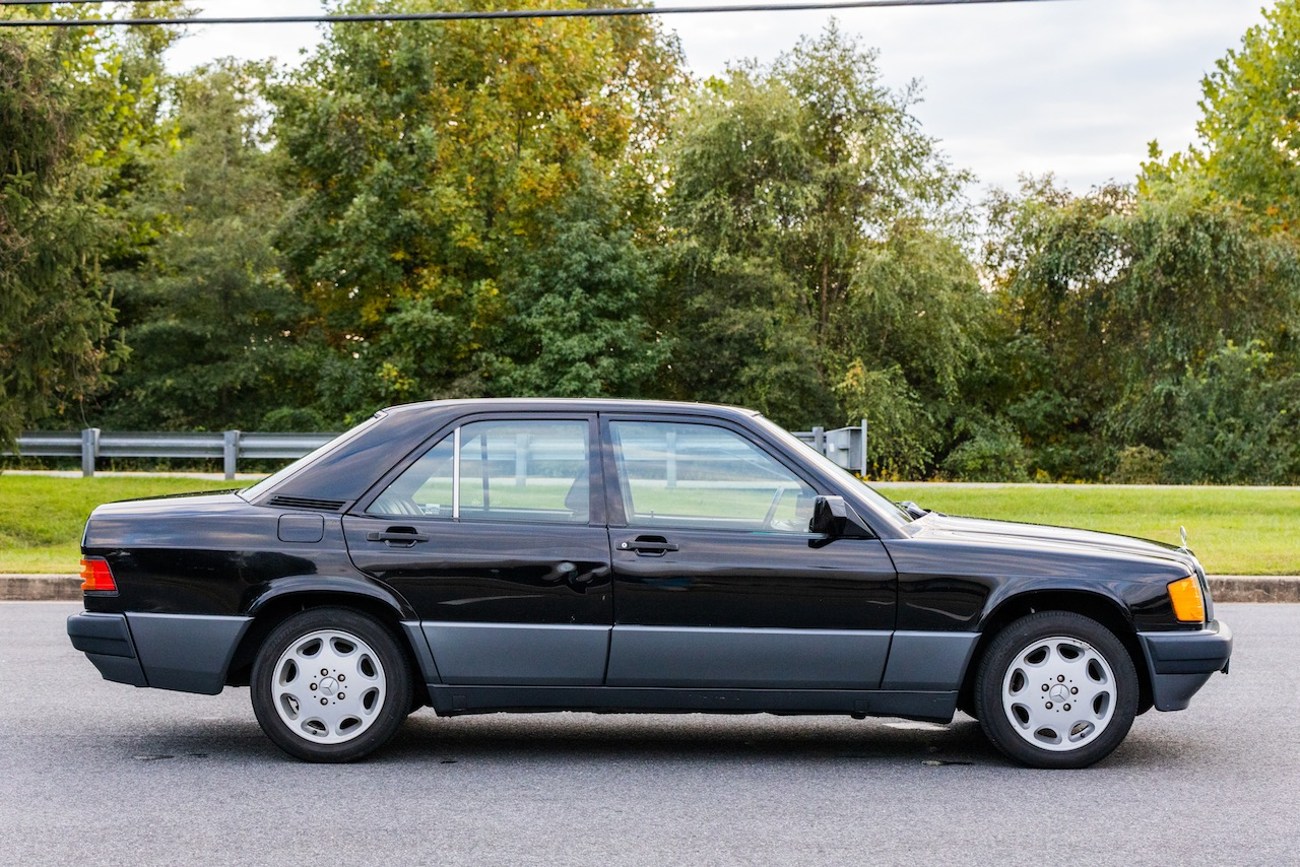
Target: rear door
x=495, y=534
x=717, y=581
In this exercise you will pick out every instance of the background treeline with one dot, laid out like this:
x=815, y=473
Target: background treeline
x=556, y=208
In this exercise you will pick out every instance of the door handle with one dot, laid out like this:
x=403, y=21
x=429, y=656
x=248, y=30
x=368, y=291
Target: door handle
x=650, y=546
x=394, y=537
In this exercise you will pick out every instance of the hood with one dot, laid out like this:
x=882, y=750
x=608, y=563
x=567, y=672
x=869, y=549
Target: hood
x=983, y=531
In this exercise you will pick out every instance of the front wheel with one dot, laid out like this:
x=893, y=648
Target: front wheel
x=330, y=685
x=1056, y=690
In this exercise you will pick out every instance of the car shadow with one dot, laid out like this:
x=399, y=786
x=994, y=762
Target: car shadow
x=575, y=737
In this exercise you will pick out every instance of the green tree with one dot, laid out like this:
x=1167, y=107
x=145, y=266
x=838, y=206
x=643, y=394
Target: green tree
x=1238, y=420
x=815, y=268
x=76, y=108
x=55, y=318
x=1249, y=132
x=1109, y=299
x=213, y=326
x=436, y=175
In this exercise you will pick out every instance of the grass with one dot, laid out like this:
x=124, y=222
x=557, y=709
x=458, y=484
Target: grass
x=1235, y=531
x=41, y=517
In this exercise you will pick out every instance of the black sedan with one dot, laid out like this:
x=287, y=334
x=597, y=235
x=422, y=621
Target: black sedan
x=625, y=556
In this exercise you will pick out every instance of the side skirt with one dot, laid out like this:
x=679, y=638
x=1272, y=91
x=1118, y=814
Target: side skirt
x=929, y=706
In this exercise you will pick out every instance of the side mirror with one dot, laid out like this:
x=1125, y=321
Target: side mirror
x=835, y=518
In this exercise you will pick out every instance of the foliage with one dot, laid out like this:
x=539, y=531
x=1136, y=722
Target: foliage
x=1249, y=132
x=435, y=179
x=205, y=309
x=1238, y=420
x=993, y=453
x=552, y=208
x=812, y=231
x=55, y=318
x=1111, y=298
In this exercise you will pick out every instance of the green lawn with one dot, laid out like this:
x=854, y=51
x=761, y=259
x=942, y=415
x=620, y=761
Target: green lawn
x=41, y=517
x=1244, y=531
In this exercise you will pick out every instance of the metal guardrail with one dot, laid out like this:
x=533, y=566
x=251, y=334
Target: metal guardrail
x=92, y=443
x=846, y=446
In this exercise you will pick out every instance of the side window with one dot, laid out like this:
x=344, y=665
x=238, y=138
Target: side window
x=695, y=475
x=525, y=471
x=498, y=471
x=424, y=489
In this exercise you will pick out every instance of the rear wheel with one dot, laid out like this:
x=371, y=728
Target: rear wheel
x=1056, y=690
x=330, y=685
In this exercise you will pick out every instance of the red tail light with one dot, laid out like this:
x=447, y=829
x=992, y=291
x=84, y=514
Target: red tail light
x=96, y=576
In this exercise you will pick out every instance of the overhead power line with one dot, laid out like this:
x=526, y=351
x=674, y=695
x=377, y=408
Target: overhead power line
x=605, y=12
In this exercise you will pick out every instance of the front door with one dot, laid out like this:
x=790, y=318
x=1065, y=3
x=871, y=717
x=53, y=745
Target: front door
x=718, y=582
x=495, y=535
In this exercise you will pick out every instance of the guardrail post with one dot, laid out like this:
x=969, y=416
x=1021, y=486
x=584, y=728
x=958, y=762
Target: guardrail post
x=230, y=452
x=819, y=439
x=864, y=449
x=89, y=450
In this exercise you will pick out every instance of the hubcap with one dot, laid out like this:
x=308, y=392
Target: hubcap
x=329, y=686
x=1059, y=693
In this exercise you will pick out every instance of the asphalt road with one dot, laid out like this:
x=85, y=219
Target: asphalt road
x=99, y=773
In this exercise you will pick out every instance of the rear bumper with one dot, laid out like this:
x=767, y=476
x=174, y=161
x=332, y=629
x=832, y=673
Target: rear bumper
x=186, y=652
x=1181, y=662
x=106, y=641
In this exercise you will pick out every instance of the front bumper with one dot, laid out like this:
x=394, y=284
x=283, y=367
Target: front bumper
x=186, y=652
x=1181, y=662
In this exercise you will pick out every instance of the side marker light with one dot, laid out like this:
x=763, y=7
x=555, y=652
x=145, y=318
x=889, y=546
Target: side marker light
x=1189, y=603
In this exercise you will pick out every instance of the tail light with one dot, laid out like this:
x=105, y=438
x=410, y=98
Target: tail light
x=96, y=576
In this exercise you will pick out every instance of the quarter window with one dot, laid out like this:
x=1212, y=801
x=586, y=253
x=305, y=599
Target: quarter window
x=694, y=475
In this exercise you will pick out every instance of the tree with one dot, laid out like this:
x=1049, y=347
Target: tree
x=437, y=177
x=212, y=325
x=77, y=109
x=1111, y=298
x=815, y=269
x=1249, y=132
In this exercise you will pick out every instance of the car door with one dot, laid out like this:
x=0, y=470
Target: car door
x=717, y=581
x=495, y=535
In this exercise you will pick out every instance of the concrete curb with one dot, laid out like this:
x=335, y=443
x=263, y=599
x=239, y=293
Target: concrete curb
x=1224, y=588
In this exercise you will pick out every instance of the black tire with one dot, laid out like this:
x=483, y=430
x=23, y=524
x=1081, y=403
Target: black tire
x=348, y=703
x=1056, y=690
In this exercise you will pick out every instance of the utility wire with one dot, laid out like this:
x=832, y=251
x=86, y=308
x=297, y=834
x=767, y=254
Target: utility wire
x=606, y=12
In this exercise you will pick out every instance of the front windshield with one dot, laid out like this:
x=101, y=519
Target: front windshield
x=874, y=497
x=252, y=492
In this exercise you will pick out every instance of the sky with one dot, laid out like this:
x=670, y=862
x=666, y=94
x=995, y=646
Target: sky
x=1072, y=87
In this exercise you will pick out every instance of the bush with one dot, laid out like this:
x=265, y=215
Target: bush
x=1139, y=465
x=993, y=454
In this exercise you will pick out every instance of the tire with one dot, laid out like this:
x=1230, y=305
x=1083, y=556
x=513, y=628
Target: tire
x=330, y=685
x=1056, y=690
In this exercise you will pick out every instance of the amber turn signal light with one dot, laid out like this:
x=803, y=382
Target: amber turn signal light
x=96, y=576
x=1189, y=604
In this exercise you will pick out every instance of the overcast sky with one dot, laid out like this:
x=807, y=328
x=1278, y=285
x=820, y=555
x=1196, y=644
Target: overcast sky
x=1076, y=87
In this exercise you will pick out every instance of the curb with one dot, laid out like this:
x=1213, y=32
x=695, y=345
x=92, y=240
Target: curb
x=1223, y=588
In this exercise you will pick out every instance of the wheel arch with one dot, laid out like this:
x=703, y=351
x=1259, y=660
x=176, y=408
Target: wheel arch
x=272, y=609
x=1096, y=606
